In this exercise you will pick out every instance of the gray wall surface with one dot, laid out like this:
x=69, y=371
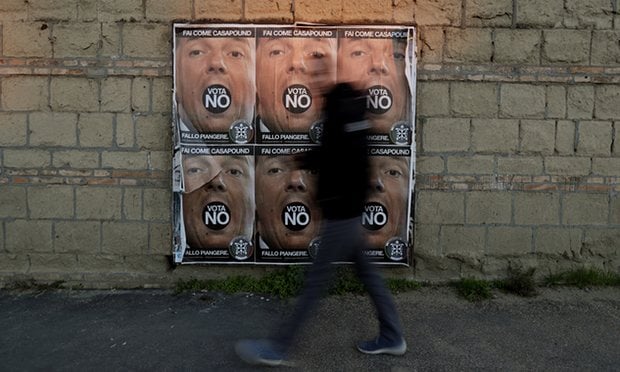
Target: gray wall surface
x=518, y=134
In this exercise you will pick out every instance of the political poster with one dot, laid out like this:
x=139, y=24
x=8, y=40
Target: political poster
x=292, y=67
x=214, y=84
x=287, y=213
x=386, y=213
x=378, y=61
x=216, y=203
x=247, y=102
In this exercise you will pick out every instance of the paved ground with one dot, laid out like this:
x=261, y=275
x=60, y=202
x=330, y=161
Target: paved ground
x=154, y=330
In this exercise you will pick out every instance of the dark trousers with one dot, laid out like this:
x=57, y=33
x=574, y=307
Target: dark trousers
x=341, y=241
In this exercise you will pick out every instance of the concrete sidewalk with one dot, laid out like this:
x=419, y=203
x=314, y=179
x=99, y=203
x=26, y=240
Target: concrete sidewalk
x=154, y=330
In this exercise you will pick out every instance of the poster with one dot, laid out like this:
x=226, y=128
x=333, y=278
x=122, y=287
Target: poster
x=216, y=204
x=386, y=213
x=377, y=60
x=247, y=100
x=287, y=213
x=290, y=62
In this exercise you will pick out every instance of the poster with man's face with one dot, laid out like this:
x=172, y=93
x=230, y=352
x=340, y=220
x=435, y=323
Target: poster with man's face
x=287, y=214
x=386, y=213
x=247, y=101
x=218, y=202
x=215, y=92
x=294, y=66
x=375, y=60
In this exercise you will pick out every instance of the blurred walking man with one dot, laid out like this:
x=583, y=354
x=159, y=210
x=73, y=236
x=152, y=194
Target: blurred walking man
x=343, y=177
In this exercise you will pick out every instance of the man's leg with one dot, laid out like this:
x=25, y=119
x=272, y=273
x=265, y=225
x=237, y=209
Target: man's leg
x=316, y=282
x=274, y=351
x=390, y=339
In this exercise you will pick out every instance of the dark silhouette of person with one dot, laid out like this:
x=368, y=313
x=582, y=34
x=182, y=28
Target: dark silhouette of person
x=343, y=178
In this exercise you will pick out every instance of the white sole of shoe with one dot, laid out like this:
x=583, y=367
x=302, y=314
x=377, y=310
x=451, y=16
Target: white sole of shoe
x=400, y=350
x=251, y=359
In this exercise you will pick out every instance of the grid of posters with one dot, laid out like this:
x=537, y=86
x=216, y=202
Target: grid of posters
x=247, y=100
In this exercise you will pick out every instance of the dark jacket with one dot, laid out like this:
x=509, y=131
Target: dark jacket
x=342, y=158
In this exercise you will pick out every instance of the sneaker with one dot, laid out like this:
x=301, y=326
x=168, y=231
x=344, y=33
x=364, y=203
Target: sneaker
x=260, y=352
x=382, y=346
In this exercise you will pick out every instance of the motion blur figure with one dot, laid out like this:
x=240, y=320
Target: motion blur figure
x=343, y=177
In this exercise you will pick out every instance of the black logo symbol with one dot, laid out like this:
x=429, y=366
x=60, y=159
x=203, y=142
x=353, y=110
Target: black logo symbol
x=313, y=247
x=400, y=133
x=296, y=216
x=316, y=131
x=379, y=99
x=297, y=98
x=241, y=132
x=375, y=216
x=240, y=248
x=395, y=249
x=216, y=98
x=216, y=215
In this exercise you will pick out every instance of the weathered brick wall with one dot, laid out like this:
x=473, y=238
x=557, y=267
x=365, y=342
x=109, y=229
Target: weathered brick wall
x=518, y=120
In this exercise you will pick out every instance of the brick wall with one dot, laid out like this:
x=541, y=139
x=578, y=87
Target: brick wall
x=518, y=133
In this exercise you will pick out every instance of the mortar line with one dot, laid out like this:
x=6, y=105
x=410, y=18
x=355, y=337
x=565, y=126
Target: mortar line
x=1, y=42
x=546, y=114
x=3, y=228
x=134, y=131
x=493, y=45
x=114, y=130
x=543, y=42
x=123, y=200
x=98, y=54
x=614, y=126
x=514, y=14
x=576, y=135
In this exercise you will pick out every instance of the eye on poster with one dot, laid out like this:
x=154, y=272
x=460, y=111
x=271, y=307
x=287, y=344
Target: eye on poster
x=247, y=100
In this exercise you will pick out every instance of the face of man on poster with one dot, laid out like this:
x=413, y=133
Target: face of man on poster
x=215, y=82
x=385, y=211
x=378, y=67
x=291, y=76
x=218, y=204
x=287, y=214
